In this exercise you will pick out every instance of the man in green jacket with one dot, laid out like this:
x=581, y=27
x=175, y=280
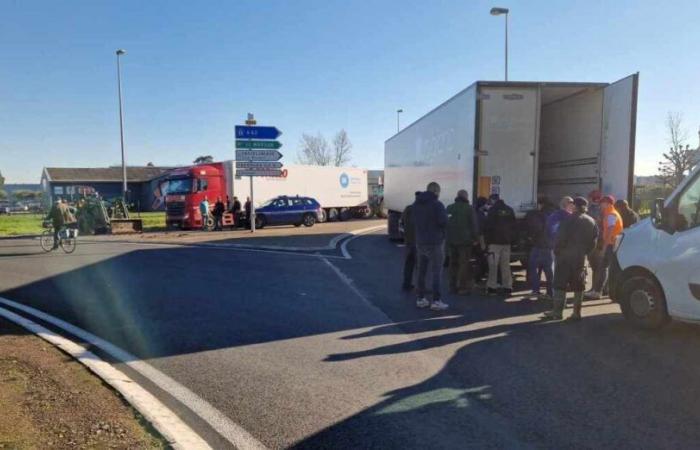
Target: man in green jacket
x=462, y=233
x=409, y=239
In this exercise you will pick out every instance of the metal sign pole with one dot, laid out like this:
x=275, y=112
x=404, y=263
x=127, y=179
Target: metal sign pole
x=251, y=121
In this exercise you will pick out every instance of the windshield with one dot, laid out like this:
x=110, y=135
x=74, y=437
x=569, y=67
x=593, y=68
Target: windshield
x=180, y=186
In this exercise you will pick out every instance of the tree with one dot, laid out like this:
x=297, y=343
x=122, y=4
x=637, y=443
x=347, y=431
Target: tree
x=2, y=181
x=3, y=194
x=205, y=159
x=341, y=148
x=680, y=158
x=315, y=150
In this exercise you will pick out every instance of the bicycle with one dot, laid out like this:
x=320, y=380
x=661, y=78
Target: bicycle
x=67, y=239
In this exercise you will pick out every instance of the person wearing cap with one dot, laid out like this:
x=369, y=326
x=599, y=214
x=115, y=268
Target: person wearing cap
x=575, y=239
x=409, y=239
x=611, y=225
x=540, y=257
x=462, y=232
x=499, y=231
x=629, y=216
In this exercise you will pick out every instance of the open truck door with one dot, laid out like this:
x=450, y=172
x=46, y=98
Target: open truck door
x=618, y=139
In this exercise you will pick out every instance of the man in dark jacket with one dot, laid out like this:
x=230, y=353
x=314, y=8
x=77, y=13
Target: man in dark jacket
x=218, y=212
x=462, y=232
x=430, y=220
x=499, y=231
x=576, y=238
x=629, y=216
x=409, y=239
x=540, y=259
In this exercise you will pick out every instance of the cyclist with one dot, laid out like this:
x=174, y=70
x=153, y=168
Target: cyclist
x=60, y=216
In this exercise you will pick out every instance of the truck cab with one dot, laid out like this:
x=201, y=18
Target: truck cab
x=187, y=187
x=655, y=275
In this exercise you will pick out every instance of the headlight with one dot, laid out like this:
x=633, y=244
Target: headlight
x=618, y=241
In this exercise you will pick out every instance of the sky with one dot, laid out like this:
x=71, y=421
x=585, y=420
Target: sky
x=194, y=69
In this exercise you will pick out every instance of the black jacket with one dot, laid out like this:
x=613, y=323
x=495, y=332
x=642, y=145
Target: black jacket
x=499, y=228
x=430, y=219
x=577, y=236
x=409, y=228
x=219, y=209
x=535, y=223
x=629, y=217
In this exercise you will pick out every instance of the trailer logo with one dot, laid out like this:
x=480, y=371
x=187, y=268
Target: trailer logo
x=344, y=180
x=513, y=96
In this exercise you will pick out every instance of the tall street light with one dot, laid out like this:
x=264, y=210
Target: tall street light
x=497, y=12
x=398, y=113
x=121, y=52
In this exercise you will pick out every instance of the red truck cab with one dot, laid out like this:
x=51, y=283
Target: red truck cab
x=187, y=187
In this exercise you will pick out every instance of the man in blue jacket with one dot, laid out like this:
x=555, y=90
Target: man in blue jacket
x=430, y=221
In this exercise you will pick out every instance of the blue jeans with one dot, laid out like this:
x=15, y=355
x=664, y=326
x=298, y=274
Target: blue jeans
x=540, y=261
x=433, y=256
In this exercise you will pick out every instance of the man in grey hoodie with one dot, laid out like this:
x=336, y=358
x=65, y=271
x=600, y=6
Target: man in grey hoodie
x=430, y=221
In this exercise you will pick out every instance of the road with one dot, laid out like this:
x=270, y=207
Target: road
x=316, y=350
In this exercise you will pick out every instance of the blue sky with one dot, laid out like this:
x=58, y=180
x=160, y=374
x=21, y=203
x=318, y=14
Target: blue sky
x=193, y=70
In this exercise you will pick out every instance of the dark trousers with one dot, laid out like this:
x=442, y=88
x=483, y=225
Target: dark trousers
x=408, y=265
x=430, y=255
x=600, y=276
x=56, y=231
x=540, y=261
x=218, y=223
x=460, y=267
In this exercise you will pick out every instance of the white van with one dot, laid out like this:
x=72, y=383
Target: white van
x=656, y=272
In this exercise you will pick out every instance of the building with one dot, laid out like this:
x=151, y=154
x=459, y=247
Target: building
x=145, y=185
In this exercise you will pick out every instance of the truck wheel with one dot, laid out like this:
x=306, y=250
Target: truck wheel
x=393, y=226
x=382, y=212
x=643, y=303
x=260, y=222
x=332, y=214
x=309, y=220
x=345, y=214
x=322, y=215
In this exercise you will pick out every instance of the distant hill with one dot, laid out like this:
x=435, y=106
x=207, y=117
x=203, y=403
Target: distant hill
x=10, y=188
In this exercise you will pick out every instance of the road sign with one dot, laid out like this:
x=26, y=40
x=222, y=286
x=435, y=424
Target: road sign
x=258, y=155
x=274, y=145
x=259, y=173
x=254, y=132
x=258, y=165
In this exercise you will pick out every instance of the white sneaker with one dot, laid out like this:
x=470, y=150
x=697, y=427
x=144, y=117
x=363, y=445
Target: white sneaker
x=591, y=295
x=439, y=305
x=422, y=303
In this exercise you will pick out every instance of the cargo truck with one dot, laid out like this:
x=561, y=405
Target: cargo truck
x=341, y=191
x=519, y=140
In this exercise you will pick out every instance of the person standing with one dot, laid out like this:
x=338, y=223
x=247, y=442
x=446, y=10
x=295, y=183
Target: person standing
x=482, y=262
x=430, y=219
x=219, y=209
x=462, y=232
x=611, y=228
x=409, y=239
x=540, y=259
x=56, y=215
x=236, y=210
x=629, y=216
x=575, y=239
x=557, y=218
x=204, y=212
x=500, y=233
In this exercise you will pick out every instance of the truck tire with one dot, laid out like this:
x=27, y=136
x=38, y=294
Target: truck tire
x=345, y=214
x=366, y=213
x=382, y=212
x=332, y=214
x=322, y=216
x=393, y=226
x=309, y=220
x=643, y=302
x=260, y=222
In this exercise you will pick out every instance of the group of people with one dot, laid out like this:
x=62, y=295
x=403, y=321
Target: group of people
x=560, y=240
x=220, y=208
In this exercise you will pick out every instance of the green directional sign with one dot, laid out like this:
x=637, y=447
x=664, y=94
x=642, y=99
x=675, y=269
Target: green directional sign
x=272, y=145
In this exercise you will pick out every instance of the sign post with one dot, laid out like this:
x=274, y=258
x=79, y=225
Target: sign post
x=257, y=155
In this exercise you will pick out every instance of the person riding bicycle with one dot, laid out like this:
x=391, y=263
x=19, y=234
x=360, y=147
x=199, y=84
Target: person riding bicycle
x=60, y=216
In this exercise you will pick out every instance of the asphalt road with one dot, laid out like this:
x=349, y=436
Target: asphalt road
x=308, y=351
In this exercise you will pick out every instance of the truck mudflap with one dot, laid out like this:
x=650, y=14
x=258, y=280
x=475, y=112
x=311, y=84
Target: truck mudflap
x=614, y=278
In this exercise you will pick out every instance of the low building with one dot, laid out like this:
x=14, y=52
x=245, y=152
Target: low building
x=145, y=191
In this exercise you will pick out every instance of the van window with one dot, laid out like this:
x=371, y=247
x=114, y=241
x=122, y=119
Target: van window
x=689, y=206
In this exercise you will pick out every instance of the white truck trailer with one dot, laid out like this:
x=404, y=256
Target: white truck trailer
x=520, y=140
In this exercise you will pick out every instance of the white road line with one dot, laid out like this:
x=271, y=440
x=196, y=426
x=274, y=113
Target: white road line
x=355, y=235
x=231, y=431
x=168, y=424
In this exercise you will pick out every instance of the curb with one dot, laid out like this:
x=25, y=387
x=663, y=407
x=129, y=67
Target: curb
x=19, y=236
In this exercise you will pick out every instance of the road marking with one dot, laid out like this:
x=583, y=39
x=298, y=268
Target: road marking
x=355, y=234
x=231, y=431
x=168, y=424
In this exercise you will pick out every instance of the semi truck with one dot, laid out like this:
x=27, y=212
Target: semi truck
x=341, y=191
x=520, y=140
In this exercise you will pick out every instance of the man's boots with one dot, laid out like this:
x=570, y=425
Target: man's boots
x=578, y=300
x=558, y=300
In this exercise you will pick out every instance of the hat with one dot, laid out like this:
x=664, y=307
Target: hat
x=608, y=198
x=580, y=202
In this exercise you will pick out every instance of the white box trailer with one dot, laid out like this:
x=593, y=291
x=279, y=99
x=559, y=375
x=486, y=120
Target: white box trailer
x=341, y=191
x=520, y=140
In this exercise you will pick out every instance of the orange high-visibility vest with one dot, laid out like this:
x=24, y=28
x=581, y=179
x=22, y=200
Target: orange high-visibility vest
x=612, y=226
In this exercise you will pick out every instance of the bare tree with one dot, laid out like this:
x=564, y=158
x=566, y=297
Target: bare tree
x=341, y=148
x=680, y=158
x=205, y=159
x=314, y=150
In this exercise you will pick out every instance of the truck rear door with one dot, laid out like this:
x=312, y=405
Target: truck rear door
x=619, y=130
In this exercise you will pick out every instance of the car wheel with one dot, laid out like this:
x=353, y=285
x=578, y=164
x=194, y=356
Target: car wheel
x=260, y=222
x=643, y=303
x=309, y=220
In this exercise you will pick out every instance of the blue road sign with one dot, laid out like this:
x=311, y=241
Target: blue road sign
x=255, y=132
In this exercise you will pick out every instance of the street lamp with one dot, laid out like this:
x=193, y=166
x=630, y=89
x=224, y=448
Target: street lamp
x=398, y=127
x=497, y=12
x=121, y=52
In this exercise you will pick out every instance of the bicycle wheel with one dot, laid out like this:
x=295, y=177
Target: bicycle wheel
x=46, y=240
x=68, y=245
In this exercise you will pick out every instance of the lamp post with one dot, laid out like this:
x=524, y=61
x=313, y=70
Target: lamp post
x=121, y=52
x=497, y=12
x=398, y=125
